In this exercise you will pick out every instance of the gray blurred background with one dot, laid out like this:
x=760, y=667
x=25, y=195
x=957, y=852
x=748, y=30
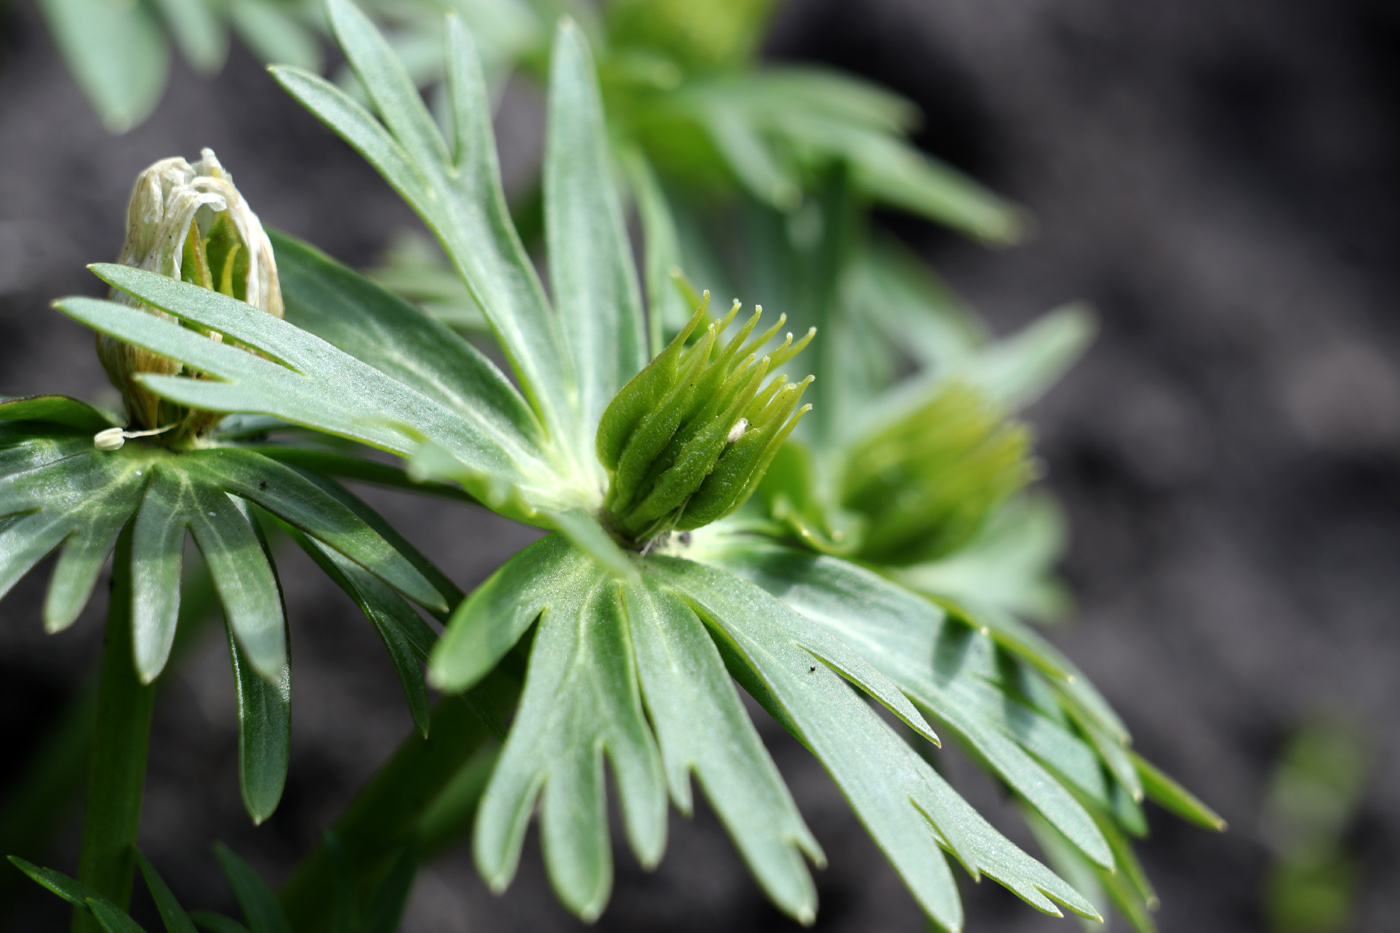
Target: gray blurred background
x=1222, y=180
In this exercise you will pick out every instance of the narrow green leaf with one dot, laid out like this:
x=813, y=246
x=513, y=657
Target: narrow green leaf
x=1171, y=795
x=244, y=578
x=80, y=564
x=947, y=667
x=751, y=157
x=171, y=913
x=701, y=727
x=580, y=702
x=117, y=54
x=1018, y=370
x=264, y=733
x=112, y=919
x=295, y=499
x=667, y=311
x=70, y=889
x=157, y=553
x=55, y=409
x=490, y=621
x=458, y=194
x=259, y=903
x=356, y=316
x=740, y=599
x=481, y=240
x=338, y=394
x=387, y=83
x=880, y=775
x=591, y=269
x=216, y=923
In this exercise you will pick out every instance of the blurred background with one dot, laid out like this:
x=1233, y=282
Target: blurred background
x=1222, y=181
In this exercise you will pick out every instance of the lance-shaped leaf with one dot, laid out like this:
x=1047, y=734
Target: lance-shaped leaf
x=590, y=259
x=908, y=809
x=949, y=668
x=456, y=189
x=581, y=701
x=702, y=728
x=259, y=903
x=360, y=318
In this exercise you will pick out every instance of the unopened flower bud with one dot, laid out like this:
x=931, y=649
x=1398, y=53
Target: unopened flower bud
x=687, y=440
x=188, y=222
x=924, y=484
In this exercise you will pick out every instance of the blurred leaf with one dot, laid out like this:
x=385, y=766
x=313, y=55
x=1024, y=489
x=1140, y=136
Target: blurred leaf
x=198, y=32
x=259, y=903
x=274, y=35
x=117, y=54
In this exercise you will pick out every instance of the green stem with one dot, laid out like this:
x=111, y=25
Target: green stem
x=388, y=812
x=117, y=774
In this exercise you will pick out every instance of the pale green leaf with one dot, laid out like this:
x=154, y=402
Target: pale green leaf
x=886, y=782
x=1018, y=369
x=591, y=269
x=702, y=728
x=580, y=702
x=360, y=318
x=490, y=622
x=949, y=668
x=117, y=53
x=274, y=35
x=157, y=553
x=243, y=578
x=198, y=32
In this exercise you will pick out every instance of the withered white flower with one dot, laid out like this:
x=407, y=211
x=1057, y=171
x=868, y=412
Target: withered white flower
x=190, y=222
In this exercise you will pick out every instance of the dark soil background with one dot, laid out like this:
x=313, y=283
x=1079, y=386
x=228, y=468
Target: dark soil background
x=1222, y=180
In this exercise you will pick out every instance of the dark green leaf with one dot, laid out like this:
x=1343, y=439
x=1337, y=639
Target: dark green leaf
x=264, y=704
x=259, y=903
x=112, y=919
x=157, y=551
x=70, y=889
x=216, y=923
x=173, y=915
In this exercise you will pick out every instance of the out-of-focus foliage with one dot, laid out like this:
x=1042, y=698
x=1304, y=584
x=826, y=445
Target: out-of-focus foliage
x=1312, y=801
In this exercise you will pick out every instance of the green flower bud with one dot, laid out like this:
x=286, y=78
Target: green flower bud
x=188, y=222
x=712, y=34
x=926, y=483
x=687, y=440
